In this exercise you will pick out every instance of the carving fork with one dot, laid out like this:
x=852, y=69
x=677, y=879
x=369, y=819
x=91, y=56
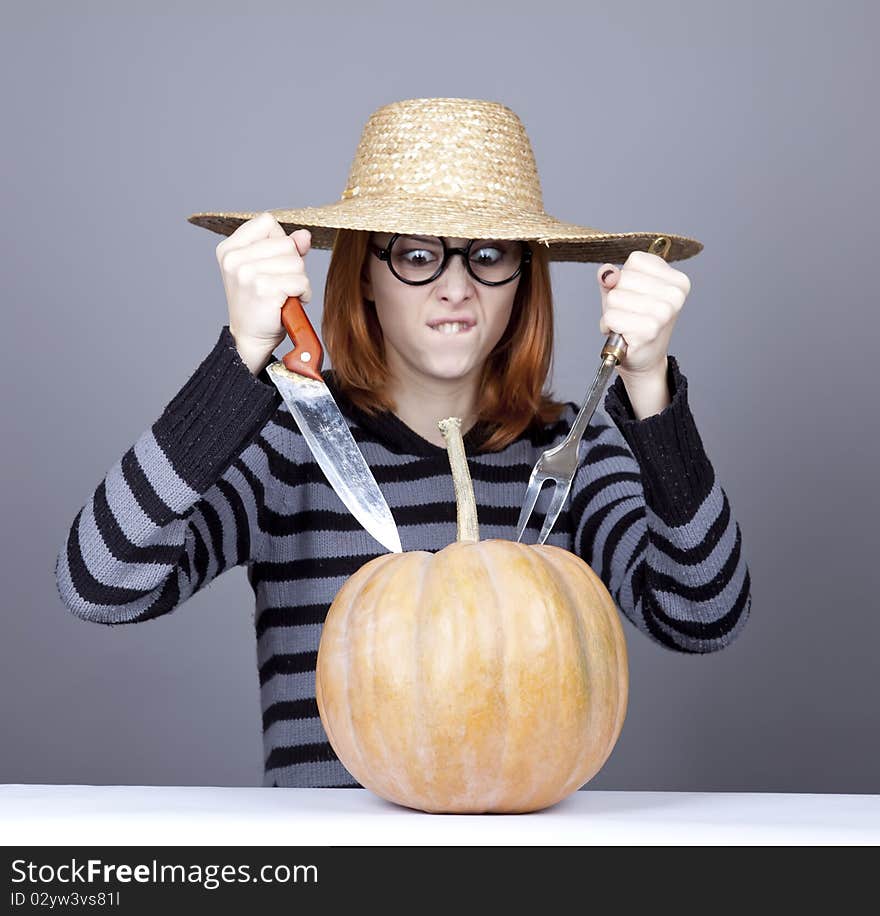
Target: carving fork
x=560, y=463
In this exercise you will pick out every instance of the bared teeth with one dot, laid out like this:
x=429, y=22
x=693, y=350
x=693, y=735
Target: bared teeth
x=451, y=327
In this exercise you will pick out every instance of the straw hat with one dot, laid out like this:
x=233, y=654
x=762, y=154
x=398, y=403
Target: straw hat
x=455, y=168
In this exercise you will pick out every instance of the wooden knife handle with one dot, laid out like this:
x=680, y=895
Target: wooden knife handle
x=307, y=354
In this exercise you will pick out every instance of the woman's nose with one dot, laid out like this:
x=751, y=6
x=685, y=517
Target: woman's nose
x=455, y=279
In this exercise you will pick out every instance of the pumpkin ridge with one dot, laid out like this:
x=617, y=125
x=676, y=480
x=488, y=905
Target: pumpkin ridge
x=622, y=661
x=617, y=639
x=433, y=723
x=352, y=603
x=402, y=567
x=537, y=560
x=619, y=642
x=417, y=631
x=550, y=557
x=487, y=552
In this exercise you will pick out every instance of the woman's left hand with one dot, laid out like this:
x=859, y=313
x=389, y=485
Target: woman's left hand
x=642, y=302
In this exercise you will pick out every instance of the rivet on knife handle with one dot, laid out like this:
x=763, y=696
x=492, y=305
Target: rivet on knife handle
x=307, y=354
x=615, y=345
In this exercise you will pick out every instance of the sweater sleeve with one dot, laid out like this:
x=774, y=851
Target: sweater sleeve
x=653, y=521
x=182, y=504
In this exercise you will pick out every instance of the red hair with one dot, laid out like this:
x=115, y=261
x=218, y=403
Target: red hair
x=511, y=393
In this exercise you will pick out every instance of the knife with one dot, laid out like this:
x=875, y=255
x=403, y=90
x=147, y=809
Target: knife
x=297, y=376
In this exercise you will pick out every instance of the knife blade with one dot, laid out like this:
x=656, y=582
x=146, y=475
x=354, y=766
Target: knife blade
x=297, y=376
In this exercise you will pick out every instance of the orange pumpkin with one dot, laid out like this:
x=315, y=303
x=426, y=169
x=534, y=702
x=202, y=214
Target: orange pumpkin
x=490, y=676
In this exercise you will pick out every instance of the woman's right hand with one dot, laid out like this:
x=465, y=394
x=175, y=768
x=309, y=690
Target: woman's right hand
x=261, y=267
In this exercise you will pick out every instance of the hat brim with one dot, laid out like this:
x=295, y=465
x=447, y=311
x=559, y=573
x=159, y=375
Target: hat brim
x=564, y=241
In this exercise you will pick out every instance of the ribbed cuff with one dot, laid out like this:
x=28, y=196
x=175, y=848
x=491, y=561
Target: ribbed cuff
x=676, y=472
x=215, y=416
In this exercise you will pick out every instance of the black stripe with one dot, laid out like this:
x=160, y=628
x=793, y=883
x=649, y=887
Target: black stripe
x=614, y=537
x=583, y=497
x=311, y=520
x=637, y=560
x=541, y=437
x=309, y=568
x=290, y=616
x=285, y=470
x=201, y=557
x=291, y=709
x=292, y=473
x=118, y=543
x=712, y=631
x=708, y=590
x=301, y=753
x=147, y=498
x=691, y=556
x=268, y=519
x=604, y=450
x=215, y=533
x=292, y=663
x=587, y=538
x=87, y=587
x=259, y=494
x=345, y=785
x=278, y=525
x=242, y=526
x=167, y=601
x=184, y=565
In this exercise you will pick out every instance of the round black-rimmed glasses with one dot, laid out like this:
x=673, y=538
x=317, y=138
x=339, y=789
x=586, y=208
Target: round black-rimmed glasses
x=420, y=259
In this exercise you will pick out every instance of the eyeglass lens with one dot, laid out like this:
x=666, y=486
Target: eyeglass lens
x=419, y=258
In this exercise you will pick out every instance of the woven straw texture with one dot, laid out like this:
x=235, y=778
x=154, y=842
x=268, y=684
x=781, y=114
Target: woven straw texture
x=451, y=167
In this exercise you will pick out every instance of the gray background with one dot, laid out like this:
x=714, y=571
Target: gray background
x=750, y=126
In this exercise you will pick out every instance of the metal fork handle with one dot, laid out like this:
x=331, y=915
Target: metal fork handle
x=612, y=353
x=559, y=463
x=615, y=345
x=588, y=408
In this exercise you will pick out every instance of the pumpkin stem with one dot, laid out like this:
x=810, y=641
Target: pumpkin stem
x=465, y=503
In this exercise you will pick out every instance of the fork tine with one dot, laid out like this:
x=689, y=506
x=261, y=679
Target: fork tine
x=532, y=492
x=556, y=503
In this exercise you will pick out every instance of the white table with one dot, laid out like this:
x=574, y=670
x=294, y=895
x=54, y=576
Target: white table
x=50, y=815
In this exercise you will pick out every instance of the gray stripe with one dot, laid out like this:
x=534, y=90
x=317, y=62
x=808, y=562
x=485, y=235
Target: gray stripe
x=218, y=501
x=137, y=526
x=109, y=570
x=611, y=519
x=634, y=615
x=249, y=499
x=621, y=577
x=175, y=493
x=302, y=638
x=695, y=530
x=197, y=521
x=698, y=573
x=283, y=687
x=277, y=496
x=294, y=732
x=705, y=611
x=303, y=591
x=703, y=645
x=308, y=775
x=625, y=589
x=99, y=613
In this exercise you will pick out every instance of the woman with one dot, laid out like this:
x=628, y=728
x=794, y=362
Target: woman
x=437, y=303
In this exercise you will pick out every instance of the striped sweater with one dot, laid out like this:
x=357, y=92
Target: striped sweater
x=224, y=478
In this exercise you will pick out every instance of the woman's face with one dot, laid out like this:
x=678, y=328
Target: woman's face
x=410, y=317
